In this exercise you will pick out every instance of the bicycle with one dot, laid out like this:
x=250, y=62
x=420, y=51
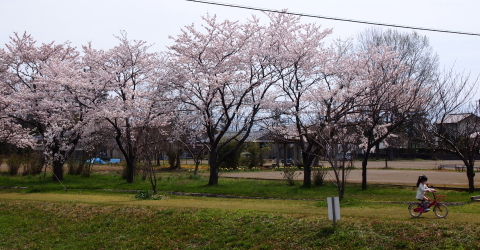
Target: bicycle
x=417, y=208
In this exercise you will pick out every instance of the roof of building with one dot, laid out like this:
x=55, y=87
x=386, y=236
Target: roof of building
x=454, y=118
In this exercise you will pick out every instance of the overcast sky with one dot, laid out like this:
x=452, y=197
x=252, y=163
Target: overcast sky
x=154, y=20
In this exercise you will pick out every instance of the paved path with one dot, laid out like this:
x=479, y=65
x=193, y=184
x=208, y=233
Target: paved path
x=378, y=176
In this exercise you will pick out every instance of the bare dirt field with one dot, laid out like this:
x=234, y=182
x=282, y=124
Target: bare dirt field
x=377, y=176
x=431, y=165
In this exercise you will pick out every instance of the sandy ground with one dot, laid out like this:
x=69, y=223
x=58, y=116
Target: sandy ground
x=405, y=164
x=377, y=176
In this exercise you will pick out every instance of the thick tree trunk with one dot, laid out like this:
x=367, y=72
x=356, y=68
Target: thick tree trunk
x=307, y=170
x=178, y=163
x=213, y=181
x=130, y=170
x=57, y=170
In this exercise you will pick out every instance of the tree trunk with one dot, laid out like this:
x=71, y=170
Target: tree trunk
x=307, y=170
x=153, y=178
x=364, y=169
x=178, y=163
x=57, y=170
x=213, y=181
x=130, y=170
x=470, y=176
x=197, y=162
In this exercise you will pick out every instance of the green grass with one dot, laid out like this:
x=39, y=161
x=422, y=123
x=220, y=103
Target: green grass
x=181, y=182
x=76, y=225
x=87, y=217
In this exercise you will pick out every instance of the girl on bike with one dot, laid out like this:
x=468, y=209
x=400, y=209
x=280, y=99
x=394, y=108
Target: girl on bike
x=422, y=188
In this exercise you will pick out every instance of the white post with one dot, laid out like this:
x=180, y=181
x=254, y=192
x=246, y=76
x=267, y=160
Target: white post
x=333, y=210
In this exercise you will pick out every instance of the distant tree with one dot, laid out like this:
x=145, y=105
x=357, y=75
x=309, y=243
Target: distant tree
x=231, y=161
x=454, y=124
x=399, y=68
x=253, y=155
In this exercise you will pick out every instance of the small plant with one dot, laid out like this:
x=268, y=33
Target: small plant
x=195, y=177
x=14, y=163
x=318, y=176
x=147, y=195
x=289, y=175
x=144, y=195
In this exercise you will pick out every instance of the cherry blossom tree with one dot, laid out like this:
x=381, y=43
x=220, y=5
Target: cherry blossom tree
x=333, y=117
x=300, y=59
x=223, y=74
x=38, y=96
x=188, y=130
x=398, y=71
x=135, y=93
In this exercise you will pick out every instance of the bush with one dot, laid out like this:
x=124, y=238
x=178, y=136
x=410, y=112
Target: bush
x=289, y=175
x=253, y=155
x=233, y=160
x=75, y=168
x=147, y=195
x=14, y=163
x=144, y=195
x=318, y=176
x=32, y=164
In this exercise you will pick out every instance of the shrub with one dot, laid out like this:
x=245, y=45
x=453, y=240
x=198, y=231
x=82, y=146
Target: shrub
x=14, y=163
x=253, y=155
x=233, y=160
x=318, y=176
x=144, y=195
x=32, y=164
x=75, y=168
x=289, y=175
x=147, y=195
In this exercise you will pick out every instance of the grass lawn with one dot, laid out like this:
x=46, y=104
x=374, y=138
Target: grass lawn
x=86, y=217
x=182, y=182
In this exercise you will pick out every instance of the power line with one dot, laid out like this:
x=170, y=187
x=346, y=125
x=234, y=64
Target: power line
x=334, y=18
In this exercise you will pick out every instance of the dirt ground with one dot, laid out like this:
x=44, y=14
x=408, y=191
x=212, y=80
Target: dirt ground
x=377, y=176
x=398, y=172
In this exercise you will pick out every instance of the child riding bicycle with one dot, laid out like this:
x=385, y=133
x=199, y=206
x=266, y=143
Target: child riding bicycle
x=422, y=189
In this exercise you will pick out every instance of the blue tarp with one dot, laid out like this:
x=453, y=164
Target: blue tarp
x=95, y=161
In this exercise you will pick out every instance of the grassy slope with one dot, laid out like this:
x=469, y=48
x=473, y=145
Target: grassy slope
x=44, y=217
x=206, y=223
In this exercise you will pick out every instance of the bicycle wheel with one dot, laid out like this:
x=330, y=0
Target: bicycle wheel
x=443, y=213
x=414, y=207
